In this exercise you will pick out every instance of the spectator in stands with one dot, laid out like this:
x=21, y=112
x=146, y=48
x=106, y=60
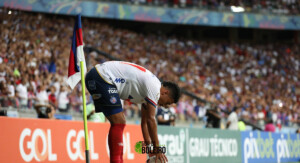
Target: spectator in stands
x=181, y=107
x=131, y=110
x=246, y=114
x=3, y=112
x=92, y=115
x=3, y=94
x=31, y=97
x=261, y=118
x=52, y=95
x=189, y=110
x=22, y=94
x=200, y=110
x=41, y=95
x=242, y=125
x=252, y=76
x=45, y=110
x=213, y=117
x=77, y=105
x=165, y=117
x=233, y=119
x=63, y=100
x=11, y=93
x=270, y=127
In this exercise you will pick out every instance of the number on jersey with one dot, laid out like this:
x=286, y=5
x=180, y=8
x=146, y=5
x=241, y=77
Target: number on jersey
x=136, y=66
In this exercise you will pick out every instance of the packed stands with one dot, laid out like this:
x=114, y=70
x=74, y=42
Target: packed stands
x=262, y=79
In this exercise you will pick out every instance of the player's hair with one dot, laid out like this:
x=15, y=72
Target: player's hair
x=175, y=90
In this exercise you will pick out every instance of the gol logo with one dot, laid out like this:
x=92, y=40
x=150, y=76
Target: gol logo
x=76, y=145
x=33, y=145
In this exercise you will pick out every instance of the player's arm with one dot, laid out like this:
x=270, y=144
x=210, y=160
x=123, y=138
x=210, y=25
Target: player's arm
x=149, y=115
x=151, y=123
x=144, y=127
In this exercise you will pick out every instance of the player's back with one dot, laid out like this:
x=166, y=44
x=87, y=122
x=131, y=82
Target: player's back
x=132, y=81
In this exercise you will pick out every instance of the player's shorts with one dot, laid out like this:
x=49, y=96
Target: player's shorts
x=105, y=95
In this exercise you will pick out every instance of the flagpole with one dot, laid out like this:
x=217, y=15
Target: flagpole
x=86, y=135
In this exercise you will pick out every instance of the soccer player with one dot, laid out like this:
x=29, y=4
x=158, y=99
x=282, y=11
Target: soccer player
x=112, y=81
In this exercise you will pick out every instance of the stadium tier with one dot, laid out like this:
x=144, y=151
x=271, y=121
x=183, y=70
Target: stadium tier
x=238, y=69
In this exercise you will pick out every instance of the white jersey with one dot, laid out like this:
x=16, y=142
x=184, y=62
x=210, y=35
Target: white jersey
x=234, y=120
x=133, y=82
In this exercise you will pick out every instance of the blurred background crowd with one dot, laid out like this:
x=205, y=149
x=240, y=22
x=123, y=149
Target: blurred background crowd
x=262, y=80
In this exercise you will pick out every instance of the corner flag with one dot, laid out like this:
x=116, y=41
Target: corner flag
x=76, y=55
x=77, y=70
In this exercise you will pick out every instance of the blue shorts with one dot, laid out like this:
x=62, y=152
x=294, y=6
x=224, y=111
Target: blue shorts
x=105, y=95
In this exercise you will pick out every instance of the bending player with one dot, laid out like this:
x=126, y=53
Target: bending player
x=114, y=80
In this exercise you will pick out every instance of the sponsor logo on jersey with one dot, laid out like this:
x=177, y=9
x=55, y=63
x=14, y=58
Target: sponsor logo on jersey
x=120, y=80
x=112, y=90
x=96, y=96
x=113, y=100
x=92, y=85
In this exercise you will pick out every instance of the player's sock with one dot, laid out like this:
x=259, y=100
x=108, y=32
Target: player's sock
x=115, y=142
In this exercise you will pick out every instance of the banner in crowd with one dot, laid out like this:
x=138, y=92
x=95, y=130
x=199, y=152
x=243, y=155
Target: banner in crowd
x=41, y=140
x=156, y=14
x=198, y=145
x=263, y=147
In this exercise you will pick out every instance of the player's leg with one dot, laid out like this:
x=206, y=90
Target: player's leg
x=113, y=111
x=115, y=137
x=118, y=118
x=107, y=100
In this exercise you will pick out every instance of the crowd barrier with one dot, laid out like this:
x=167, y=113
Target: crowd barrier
x=211, y=146
x=261, y=147
x=200, y=145
x=41, y=140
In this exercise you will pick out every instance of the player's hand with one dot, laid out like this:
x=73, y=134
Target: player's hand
x=162, y=157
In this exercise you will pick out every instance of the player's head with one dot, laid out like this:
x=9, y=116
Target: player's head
x=169, y=93
x=237, y=109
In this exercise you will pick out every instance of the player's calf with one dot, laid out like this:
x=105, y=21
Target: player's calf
x=115, y=142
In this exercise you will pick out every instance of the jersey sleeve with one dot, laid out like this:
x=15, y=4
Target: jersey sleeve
x=152, y=90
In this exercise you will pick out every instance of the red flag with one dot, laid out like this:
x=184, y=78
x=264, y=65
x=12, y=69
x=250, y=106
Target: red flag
x=76, y=55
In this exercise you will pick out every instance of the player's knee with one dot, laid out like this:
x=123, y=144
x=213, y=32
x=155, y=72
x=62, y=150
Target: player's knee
x=119, y=121
x=123, y=120
x=118, y=118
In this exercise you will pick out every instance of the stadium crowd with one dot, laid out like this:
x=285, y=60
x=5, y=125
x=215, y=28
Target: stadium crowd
x=262, y=80
x=265, y=6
